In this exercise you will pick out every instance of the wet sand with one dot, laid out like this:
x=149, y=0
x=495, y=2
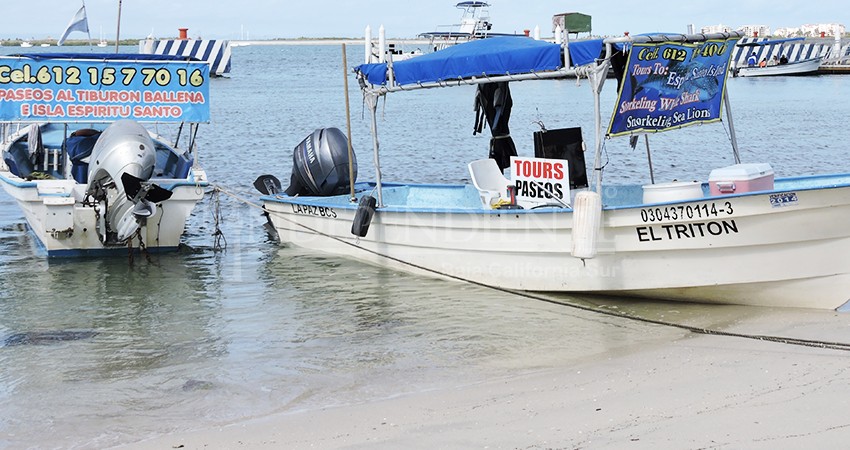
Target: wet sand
x=695, y=391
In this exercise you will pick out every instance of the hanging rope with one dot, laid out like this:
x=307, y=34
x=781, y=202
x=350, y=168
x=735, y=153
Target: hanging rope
x=219, y=241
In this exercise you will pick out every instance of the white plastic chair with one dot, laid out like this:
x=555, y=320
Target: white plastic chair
x=489, y=180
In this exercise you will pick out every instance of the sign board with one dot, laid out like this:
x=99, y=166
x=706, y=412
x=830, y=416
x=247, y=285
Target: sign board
x=537, y=180
x=670, y=85
x=103, y=90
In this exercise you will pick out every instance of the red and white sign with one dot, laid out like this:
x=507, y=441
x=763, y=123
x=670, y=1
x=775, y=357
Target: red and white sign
x=538, y=180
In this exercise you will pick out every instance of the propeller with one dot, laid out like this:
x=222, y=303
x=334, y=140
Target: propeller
x=144, y=195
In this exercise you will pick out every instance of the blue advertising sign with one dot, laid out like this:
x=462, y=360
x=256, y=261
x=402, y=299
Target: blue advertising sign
x=103, y=90
x=671, y=85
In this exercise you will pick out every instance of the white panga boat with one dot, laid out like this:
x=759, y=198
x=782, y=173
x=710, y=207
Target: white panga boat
x=804, y=67
x=88, y=176
x=777, y=63
x=738, y=237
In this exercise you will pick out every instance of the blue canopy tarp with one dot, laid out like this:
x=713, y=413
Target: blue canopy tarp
x=485, y=57
x=585, y=52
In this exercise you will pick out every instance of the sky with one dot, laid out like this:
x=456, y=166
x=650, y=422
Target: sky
x=267, y=19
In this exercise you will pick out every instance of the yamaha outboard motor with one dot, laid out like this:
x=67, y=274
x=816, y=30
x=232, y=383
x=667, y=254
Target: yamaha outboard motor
x=320, y=164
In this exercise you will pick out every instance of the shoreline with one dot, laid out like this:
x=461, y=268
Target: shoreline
x=686, y=391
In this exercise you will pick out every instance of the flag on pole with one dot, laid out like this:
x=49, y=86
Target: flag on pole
x=78, y=23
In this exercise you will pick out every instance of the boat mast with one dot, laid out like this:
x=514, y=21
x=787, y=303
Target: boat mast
x=118, y=31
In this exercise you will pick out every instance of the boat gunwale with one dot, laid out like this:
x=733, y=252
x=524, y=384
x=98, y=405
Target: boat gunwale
x=25, y=184
x=319, y=201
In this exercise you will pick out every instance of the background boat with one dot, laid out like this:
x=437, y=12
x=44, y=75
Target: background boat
x=800, y=58
x=102, y=42
x=474, y=24
x=803, y=67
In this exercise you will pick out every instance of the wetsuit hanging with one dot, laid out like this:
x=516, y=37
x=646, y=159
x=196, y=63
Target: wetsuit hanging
x=493, y=103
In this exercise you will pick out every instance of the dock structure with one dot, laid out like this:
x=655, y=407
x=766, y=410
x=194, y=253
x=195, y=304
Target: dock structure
x=215, y=52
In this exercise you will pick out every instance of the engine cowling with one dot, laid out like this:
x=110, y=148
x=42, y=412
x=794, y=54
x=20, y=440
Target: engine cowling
x=125, y=147
x=320, y=164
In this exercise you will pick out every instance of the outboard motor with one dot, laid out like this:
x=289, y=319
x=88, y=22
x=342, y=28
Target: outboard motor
x=121, y=163
x=320, y=164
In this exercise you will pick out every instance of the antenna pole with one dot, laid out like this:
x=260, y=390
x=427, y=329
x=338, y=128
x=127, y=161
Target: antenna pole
x=118, y=31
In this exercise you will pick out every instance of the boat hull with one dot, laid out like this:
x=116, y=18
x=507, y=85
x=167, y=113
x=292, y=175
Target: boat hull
x=804, y=67
x=774, y=248
x=67, y=219
x=64, y=225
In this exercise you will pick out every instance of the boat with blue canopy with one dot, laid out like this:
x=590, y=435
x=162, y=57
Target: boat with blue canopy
x=737, y=235
x=99, y=150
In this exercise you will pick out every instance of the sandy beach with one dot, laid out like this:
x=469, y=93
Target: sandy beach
x=689, y=391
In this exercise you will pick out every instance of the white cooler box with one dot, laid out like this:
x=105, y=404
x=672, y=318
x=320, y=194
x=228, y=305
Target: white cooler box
x=741, y=178
x=672, y=192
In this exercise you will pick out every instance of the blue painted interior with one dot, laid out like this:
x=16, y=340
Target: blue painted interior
x=169, y=163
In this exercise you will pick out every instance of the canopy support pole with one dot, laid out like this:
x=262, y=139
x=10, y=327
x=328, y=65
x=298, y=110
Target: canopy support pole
x=649, y=158
x=372, y=100
x=348, y=125
x=735, y=151
x=193, y=146
x=597, y=80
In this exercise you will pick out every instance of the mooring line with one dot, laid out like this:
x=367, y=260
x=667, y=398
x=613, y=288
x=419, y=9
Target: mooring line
x=218, y=187
x=693, y=329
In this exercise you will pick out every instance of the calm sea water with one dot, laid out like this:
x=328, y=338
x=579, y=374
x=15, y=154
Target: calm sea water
x=205, y=337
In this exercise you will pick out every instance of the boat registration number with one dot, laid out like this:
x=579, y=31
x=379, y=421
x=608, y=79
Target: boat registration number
x=686, y=212
x=319, y=211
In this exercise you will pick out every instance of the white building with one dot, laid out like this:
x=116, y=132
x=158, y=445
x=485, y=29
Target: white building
x=755, y=30
x=809, y=30
x=715, y=29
